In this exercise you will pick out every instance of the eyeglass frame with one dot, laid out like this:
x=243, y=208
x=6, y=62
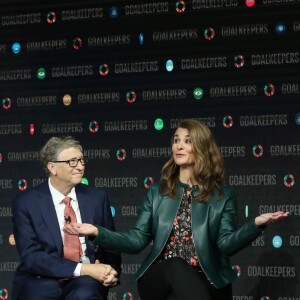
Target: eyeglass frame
x=83, y=160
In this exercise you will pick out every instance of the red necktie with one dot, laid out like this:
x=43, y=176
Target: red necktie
x=72, y=246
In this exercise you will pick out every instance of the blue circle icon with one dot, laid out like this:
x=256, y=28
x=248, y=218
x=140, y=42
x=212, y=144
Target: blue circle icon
x=297, y=119
x=280, y=28
x=113, y=12
x=141, y=39
x=16, y=48
x=277, y=241
x=169, y=65
x=113, y=211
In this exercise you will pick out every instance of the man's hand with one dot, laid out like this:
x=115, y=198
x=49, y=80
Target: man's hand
x=101, y=272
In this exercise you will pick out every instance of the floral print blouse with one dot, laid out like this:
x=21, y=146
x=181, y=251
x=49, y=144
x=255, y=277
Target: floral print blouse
x=181, y=242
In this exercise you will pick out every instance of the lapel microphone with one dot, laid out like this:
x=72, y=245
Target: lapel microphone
x=68, y=219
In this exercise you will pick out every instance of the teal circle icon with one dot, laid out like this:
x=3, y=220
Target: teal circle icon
x=169, y=65
x=41, y=73
x=158, y=124
x=198, y=93
x=277, y=241
x=16, y=48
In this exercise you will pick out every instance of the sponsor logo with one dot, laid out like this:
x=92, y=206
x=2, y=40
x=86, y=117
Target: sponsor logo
x=293, y=209
x=8, y=266
x=170, y=94
x=209, y=122
x=11, y=75
x=175, y=35
x=244, y=30
x=295, y=240
x=203, y=63
x=116, y=182
x=36, y=101
x=97, y=153
x=233, y=91
x=81, y=14
x=5, y=212
x=151, y=152
x=10, y=129
x=23, y=156
x=72, y=71
x=92, y=98
x=290, y=88
x=110, y=40
x=146, y=9
x=232, y=151
x=285, y=150
x=46, y=45
x=263, y=120
x=275, y=58
x=136, y=67
x=130, y=210
x=21, y=19
x=136, y=125
x=271, y=271
x=199, y=4
x=130, y=268
x=50, y=128
x=252, y=180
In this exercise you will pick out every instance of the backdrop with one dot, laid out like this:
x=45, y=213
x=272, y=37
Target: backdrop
x=120, y=75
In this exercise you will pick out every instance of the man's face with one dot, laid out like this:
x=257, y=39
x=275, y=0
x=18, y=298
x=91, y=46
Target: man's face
x=62, y=173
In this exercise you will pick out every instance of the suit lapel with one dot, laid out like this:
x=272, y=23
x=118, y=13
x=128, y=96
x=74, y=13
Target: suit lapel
x=49, y=214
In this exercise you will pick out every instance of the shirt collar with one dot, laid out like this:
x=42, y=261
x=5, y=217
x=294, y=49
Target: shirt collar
x=57, y=196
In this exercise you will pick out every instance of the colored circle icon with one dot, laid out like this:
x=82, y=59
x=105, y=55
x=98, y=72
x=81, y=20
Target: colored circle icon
x=113, y=211
x=169, y=65
x=41, y=73
x=198, y=93
x=209, y=33
x=6, y=103
x=67, y=99
x=103, y=70
x=113, y=12
x=227, y=121
x=250, y=3
x=16, y=48
x=131, y=97
x=277, y=241
x=141, y=38
x=85, y=181
x=93, y=126
x=77, y=43
x=51, y=17
x=121, y=154
x=158, y=124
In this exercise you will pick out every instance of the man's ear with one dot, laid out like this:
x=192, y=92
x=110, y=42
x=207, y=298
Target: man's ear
x=52, y=168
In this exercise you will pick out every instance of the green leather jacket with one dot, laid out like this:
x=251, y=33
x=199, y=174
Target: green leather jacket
x=215, y=234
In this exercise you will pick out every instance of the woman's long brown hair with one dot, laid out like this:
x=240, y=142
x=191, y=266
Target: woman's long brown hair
x=208, y=171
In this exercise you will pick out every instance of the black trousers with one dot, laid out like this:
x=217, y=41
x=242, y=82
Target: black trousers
x=175, y=279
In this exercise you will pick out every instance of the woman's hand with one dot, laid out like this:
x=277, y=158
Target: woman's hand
x=81, y=229
x=270, y=218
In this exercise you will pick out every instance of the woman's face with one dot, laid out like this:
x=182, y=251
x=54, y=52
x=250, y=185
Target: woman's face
x=182, y=149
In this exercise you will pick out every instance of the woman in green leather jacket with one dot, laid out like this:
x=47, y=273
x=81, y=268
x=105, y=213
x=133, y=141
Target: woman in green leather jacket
x=191, y=218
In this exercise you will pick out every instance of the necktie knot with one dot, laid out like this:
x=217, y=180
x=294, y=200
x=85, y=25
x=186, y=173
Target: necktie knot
x=67, y=201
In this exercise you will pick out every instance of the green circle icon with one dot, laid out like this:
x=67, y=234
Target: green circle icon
x=41, y=73
x=84, y=181
x=198, y=93
x=158, y=124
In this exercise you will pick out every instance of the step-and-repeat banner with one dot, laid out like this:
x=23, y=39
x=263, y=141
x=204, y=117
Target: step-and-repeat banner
x=120, y=75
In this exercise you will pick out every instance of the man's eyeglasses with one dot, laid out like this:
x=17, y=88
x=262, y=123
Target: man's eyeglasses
x=73, y=162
